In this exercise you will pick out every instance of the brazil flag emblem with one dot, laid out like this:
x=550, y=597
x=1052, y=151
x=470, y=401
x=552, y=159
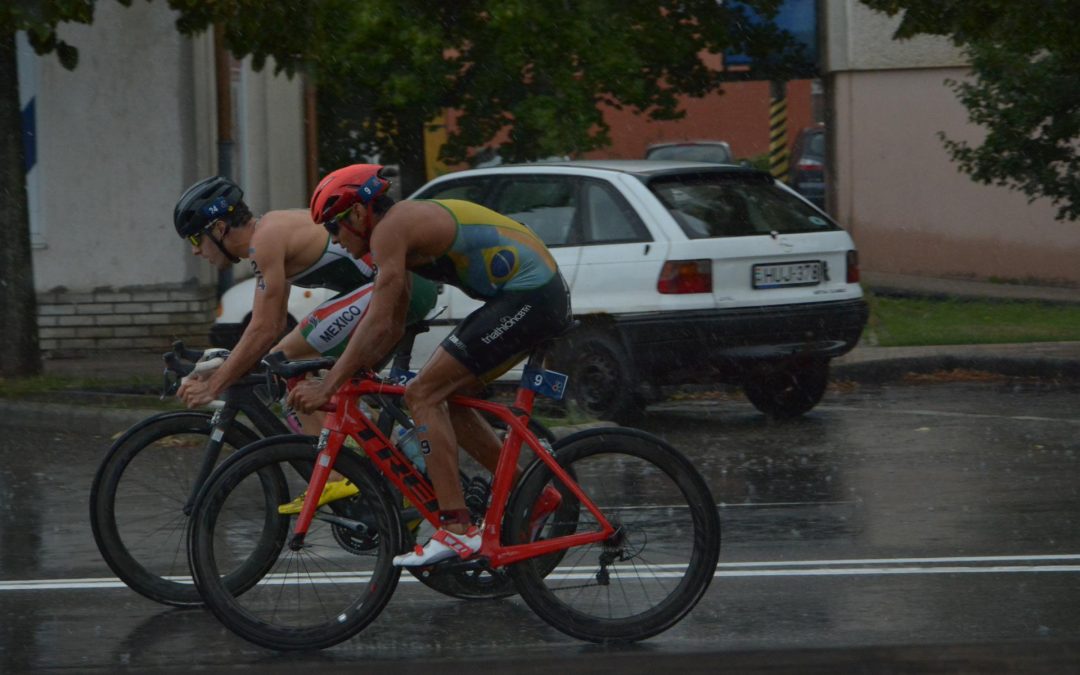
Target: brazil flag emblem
x=502, y=263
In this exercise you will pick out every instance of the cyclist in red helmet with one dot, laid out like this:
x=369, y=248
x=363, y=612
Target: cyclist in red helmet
x=488, y=256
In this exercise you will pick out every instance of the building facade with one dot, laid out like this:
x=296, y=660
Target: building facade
x=907, y=205
x=111, y=146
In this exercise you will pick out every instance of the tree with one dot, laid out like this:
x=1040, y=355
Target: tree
x=19, y=352
x=527, y=75
x=1025, y=90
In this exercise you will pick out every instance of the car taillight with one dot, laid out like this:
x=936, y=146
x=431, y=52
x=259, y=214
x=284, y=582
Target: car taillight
x=853, y=267
x=685, y=276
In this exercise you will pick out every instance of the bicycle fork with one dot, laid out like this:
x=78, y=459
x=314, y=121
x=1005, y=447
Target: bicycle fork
x=330, y=443
x=219, y=423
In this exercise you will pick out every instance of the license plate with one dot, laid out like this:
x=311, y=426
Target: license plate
x=802, y=273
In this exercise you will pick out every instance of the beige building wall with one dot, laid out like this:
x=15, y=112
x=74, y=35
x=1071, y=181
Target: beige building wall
x=907, y=205
x=118, y=140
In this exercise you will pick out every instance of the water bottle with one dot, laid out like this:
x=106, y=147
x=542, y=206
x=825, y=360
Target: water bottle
x=409, y=444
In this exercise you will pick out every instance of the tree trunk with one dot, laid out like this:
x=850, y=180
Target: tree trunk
x=19, y=354
x=413, y=165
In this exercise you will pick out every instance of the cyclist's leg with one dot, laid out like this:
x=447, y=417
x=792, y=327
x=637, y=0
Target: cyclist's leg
x=325, y=332
x=441, y=377
x=295, y=346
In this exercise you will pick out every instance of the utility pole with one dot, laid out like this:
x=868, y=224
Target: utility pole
x=778, y=139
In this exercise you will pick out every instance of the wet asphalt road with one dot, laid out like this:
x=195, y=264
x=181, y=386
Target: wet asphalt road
x=888, y=523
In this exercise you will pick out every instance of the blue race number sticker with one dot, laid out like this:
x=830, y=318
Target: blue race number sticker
x=545, y=382
x=401, y=377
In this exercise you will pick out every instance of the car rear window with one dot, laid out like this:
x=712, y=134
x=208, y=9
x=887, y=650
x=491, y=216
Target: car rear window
x=691, y=153
x=735, y=205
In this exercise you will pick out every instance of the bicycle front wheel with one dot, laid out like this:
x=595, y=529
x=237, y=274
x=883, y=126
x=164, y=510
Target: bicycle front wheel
x=656, y=566
x=314, y=597
x=138, y=497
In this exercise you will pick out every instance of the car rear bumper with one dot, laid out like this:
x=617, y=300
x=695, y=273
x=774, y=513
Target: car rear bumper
x=671, y=347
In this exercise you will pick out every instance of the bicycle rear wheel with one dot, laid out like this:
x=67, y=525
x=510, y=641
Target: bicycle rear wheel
x=137, y=503
x=311, y=598
x=657, y=565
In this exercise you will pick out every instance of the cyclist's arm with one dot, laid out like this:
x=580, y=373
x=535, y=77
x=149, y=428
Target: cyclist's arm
x=268, y=312
x=384, y=322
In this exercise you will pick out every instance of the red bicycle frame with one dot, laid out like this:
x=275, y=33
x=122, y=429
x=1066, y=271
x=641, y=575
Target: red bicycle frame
x=345, y=418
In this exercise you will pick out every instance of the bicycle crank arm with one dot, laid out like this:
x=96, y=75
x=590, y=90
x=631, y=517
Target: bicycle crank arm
x=348, y=523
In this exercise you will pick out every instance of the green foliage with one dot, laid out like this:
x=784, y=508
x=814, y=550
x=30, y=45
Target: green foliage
x=1025, y=58
x=39, y=18
x=526, y=75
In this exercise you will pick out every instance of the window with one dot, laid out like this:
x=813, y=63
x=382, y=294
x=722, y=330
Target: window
x=472, y=190
x=734, y=205
x=547, y=204
x=610, y=218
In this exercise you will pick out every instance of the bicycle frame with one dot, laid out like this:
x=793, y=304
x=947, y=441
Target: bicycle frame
x=344, y=418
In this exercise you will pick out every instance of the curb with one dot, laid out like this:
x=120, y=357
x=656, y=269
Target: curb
x=109, y=421
x=86, y=419
x=890, y=370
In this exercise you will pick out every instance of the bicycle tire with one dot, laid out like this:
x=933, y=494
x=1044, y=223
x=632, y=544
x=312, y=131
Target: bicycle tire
x=661, y=559
x=357, y=590
x=137, y=499
x=478, y=584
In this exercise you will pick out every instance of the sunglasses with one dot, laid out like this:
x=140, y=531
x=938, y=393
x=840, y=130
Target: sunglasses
x=196, y=239
x=333, y=225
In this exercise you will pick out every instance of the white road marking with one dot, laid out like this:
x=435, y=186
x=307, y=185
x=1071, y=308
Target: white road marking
x=993, y=564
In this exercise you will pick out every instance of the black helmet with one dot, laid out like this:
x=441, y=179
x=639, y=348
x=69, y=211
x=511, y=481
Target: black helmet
x=204, y=202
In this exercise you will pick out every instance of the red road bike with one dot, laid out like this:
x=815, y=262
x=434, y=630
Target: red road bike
x=631, y=549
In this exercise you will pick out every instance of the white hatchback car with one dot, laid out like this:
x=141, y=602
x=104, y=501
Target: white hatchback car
x=680, y=273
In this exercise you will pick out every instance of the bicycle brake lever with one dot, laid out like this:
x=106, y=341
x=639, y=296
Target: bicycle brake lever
x=170, y=385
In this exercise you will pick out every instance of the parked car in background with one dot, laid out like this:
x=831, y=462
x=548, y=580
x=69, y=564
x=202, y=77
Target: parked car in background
x=714, y=152
x=680, y=273
x=234, y=310
x=807, y=173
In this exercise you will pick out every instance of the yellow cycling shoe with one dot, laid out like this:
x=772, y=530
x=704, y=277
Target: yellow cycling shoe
x=334, y=490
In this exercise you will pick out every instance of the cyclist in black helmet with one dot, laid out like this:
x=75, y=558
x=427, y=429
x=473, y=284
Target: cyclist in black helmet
x=284, y=247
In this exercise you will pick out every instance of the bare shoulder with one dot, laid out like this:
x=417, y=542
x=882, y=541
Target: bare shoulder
x=419, y=224
x=275, y=223
x=282, y=231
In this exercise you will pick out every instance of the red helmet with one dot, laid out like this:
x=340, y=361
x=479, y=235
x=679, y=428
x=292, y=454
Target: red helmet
x=342, y=188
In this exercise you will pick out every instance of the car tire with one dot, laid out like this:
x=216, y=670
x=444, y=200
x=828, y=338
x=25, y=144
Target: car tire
x=787, y=390
x=290, y=323
x=602, y=381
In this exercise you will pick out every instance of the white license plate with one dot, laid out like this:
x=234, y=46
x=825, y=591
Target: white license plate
x=802, y=273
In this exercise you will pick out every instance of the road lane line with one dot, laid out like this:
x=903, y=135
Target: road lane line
x=786, y=568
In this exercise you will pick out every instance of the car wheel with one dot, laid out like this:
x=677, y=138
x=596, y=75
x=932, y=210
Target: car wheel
x=290, y=323
x=787, y=390
x=602, y=380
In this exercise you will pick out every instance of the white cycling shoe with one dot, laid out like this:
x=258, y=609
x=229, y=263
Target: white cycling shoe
x=444, y=544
